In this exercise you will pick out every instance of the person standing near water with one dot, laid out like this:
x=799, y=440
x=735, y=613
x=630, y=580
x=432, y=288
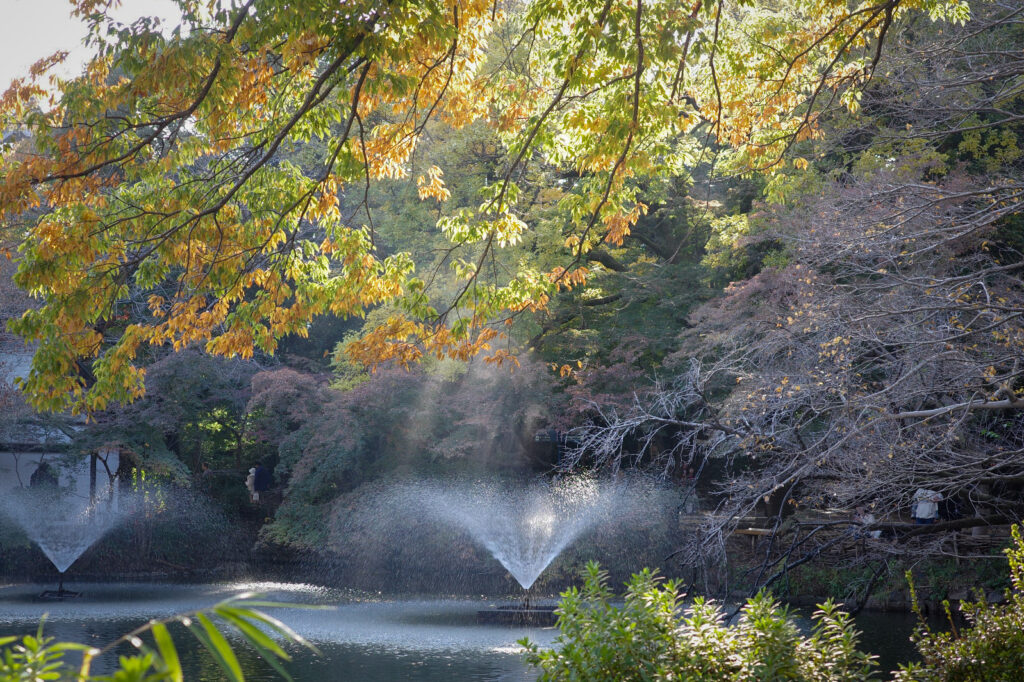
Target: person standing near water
x=262, y=480
x=250, y=485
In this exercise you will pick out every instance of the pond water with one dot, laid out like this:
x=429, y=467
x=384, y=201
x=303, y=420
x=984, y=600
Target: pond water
x=362, y=637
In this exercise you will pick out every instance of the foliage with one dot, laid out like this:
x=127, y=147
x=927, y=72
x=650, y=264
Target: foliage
x=873, y=348
x=178, y=221
x=652, y=636
x=33, y=657
x=444, y=416
x=195, y=411
x=454, y=170
x=990, y=649
x=282, y=402
x=36, y=657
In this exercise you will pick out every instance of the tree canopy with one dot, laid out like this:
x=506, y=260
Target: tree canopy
x=878, y=351
x=153, y=200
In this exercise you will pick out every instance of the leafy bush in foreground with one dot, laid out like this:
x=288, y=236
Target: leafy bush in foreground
x=990, y=650
x=34, y=658
x=651, y=637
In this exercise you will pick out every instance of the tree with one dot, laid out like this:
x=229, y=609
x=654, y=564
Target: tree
x=196, y=409
x=154, y=206
x=444, y=417
x=880, y=353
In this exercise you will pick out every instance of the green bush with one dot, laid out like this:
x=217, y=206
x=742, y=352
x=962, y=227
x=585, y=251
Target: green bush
x=652, y=637
x=990, y=650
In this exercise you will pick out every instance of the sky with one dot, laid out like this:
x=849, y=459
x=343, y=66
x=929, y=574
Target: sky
x=33, y=29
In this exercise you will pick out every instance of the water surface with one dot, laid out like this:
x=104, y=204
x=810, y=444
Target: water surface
x=360, y=638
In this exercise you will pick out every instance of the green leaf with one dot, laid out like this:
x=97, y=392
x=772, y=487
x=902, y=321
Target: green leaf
x=68, y=646
x=168, y=652
x=211, y=638
x=237, y=617
x=267, y=648
x=280, y=627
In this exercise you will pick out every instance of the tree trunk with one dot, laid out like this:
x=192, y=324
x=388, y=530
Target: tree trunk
x=92, y=478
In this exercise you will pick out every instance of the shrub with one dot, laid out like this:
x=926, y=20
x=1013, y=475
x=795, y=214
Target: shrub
x=653, y=637
x=990, y=650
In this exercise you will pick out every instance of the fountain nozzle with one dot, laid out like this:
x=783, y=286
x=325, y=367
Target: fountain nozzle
x=60, y=594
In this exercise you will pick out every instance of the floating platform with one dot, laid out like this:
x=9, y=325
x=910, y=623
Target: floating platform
x=540, y=616
x=58, y=595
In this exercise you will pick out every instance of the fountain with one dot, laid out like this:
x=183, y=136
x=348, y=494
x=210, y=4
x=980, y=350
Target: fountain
x=62, y=524
x=523, y=525
x=524, y=528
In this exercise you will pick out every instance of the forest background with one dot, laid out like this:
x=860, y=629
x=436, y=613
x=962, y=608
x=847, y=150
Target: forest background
x=777, y=246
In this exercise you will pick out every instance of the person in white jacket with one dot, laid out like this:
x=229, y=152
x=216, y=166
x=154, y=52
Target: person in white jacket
x=250, y=484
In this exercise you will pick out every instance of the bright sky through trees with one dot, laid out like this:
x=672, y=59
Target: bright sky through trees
x=33, y=29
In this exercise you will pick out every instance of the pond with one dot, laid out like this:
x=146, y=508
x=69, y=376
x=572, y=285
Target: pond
x=362, y=637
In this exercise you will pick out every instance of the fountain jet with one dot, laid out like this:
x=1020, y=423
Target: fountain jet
x=401, y=532
x=524, y=529
x=63, y=525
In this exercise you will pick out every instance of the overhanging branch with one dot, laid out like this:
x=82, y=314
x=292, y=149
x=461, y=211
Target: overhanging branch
x=1004, y=404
